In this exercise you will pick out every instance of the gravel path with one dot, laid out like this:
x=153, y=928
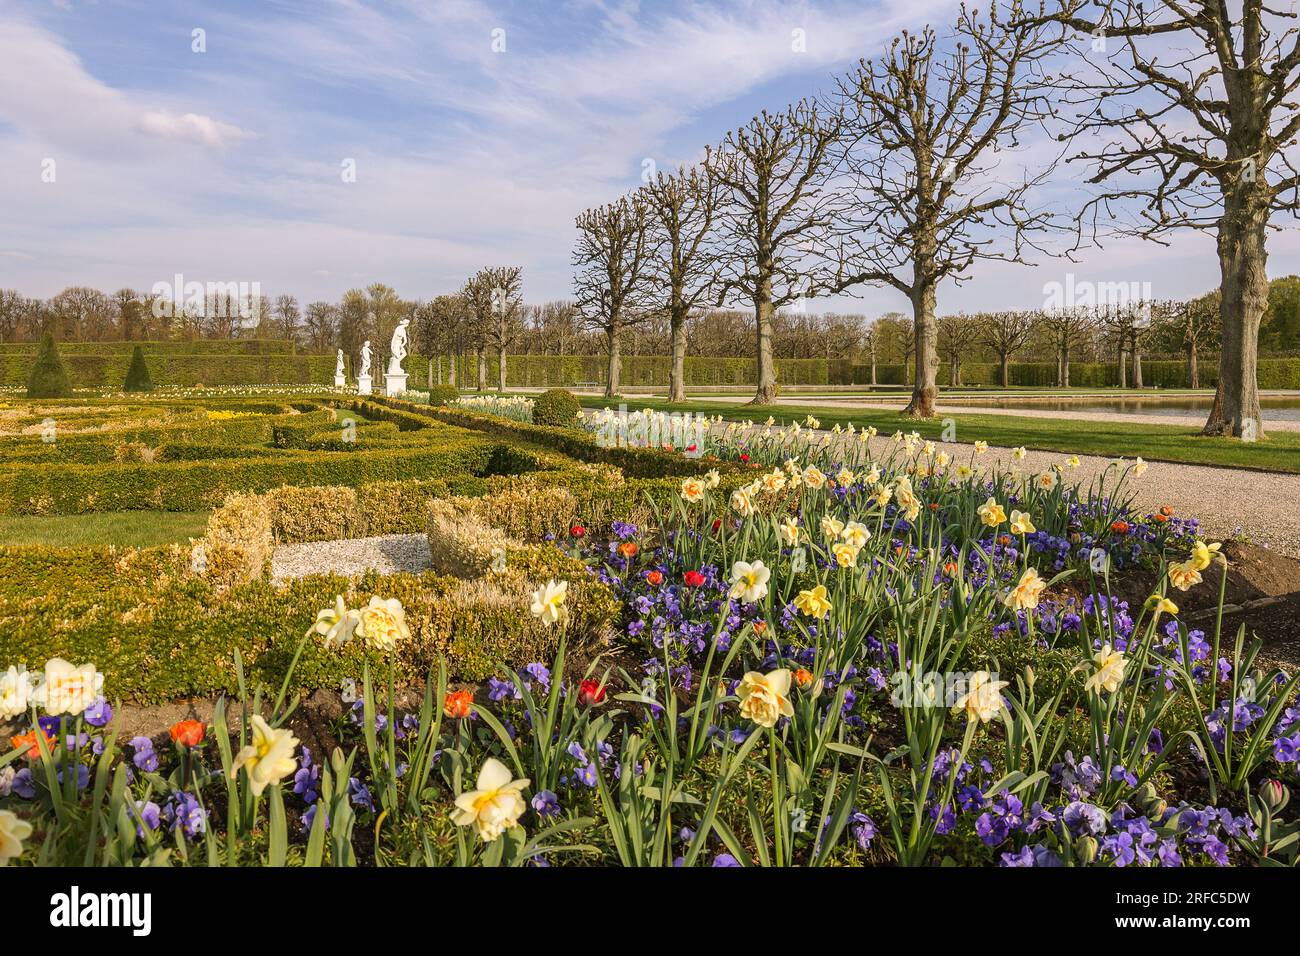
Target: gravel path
x=387, y=554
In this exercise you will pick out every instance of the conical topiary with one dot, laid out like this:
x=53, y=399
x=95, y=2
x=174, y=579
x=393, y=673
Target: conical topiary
x=137, y=376
x=48, y=379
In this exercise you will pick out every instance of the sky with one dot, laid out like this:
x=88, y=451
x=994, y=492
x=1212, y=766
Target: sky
x=316, y=146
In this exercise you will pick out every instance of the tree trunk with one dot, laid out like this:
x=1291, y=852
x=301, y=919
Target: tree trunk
x=925, y=391
x=1242, y=259
x=429, y=370
x=615, y=360
x=1123, y=367
x=501, y=370
x=451, y=369
x=1065, y=366
x=1006, y=369
x=1137, y=363
x=1193, y=373
x=677, y=368
x=873, y=366
x=954, y=371
x=481, y=355
x=766, y=391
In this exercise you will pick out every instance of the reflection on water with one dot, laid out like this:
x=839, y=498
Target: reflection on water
x=1274, y=409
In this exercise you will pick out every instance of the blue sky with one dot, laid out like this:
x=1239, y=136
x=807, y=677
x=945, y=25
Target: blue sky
x=226, y=164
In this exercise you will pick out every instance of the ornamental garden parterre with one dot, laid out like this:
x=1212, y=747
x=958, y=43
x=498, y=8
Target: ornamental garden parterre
x=779, y=645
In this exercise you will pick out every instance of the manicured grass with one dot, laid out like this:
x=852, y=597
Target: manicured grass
x=1111, y=438
x=137, y=529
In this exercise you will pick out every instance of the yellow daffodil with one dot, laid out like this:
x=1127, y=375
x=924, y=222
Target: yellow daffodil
x=494, y=805
x=1020, y=523
x=1024, y=596
x=712, y=479
x=831, y=527
x=749, y=581
x=12, y=834
x=1019, y=453
x=991, y=513
x=846, y=556
x=741, y=503
x=382, y=624
x=1183, y=575
x=268, y=757
x=548, y=604
x=1109, y=674
x=1046, y=480
x=1139, y=468
x=765, y=697
x=789, y=531
x=692, y=490
x=335, y=624
x=68, y=689
x=813, y=603
x=1161, y=605
x=981, y=447
x=1203, y=554
x=855, y=533
x=813, y=478
x=983, y=699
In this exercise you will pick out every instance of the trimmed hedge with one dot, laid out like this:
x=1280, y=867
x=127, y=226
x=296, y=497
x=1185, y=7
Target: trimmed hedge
x=633, y=462
x=556, y=407
x=158, y=633
x=566, y=371
x=137, y=376
x=1160, y=373
x=109, y=371
x=48, y=379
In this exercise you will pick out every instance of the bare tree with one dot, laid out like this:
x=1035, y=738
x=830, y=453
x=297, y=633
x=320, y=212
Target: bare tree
x=613, y=256
x=680, y=214
x=503, y=284
x=957, y=333
x=286, y=317
x=321, y=325
x=1006, y=333
x=1198, y=321
x=1194, y=112
x=927, y=131
x=477, y=295
x=1067, y=328
x=775, y=216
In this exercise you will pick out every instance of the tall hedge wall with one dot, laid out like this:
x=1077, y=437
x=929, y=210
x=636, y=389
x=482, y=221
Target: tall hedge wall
x=1273, y=373
x=566, y=371
x=170, y=368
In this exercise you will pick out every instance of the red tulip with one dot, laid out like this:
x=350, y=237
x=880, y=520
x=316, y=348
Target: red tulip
x=187, y=733
x=693, y=579
x=591, y=692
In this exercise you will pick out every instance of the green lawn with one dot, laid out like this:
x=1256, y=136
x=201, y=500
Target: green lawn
x=138, y=529
x=1111, y=438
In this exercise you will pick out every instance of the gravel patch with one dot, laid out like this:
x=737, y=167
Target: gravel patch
x=387, y=554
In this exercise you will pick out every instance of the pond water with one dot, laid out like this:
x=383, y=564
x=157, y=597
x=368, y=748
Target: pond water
x=1274, y=408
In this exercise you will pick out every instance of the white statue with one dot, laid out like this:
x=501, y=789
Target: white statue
x=338, y=365
x=365, y=359
x=398, y=348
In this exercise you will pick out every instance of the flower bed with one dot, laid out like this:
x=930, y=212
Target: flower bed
x=823, y=657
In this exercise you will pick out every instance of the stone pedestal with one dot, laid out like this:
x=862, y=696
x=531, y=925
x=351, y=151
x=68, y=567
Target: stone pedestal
x=363, y=385
x=340, y=381
x=394, y=385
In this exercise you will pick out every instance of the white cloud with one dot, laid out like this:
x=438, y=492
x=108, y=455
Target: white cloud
x=193, y=128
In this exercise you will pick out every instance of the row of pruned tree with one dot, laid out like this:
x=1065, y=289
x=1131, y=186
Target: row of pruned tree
x=907, y=175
